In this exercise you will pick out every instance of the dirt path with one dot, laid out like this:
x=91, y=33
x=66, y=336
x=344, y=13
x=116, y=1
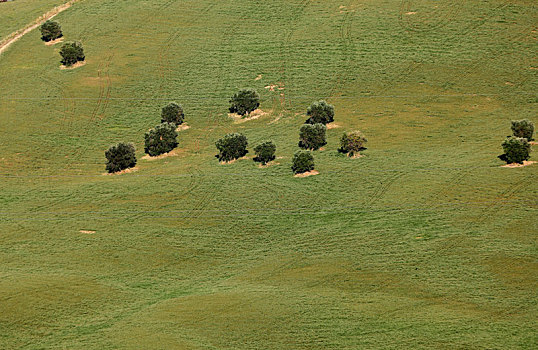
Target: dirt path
x=13, y=37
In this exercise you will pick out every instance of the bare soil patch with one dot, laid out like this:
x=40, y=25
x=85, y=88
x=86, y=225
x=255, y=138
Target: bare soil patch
x=258, y=77
x=533, y=143
x=333, y=126
x=308, y=173
x=271, y=163
x=126, y=171
x=517, y=165
x=234, y=160
x=74, y=66
x=238, y=119
x=411, y=13
x=173, y=153
x=54, y=42
x=182, y=127
x=88, y=232
x=356, y=156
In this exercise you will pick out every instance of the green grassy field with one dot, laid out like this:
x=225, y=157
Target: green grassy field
x=425, y=243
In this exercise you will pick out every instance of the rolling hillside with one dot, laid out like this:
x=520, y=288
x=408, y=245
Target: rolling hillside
x=424, y=243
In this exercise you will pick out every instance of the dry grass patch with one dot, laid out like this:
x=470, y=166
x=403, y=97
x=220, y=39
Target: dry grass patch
x=73, y=66
x=234, y=160
x=307, y=174
x=333, y=126
x=54, y=42
x=173, y=153
x=125, y=171
x=517, y=165
x=238, y=119
x=183, y=127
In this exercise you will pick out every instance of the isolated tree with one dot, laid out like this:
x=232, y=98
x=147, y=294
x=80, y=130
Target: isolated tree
x=516, y=149
x=320, y=112
x=172, y=113
x=265, y=152
x=161, y=139
x=302, y=162
x=231, y=146
x=119, y=157
x=244, y=102
x=352, y=142
x=523, y=128
x=50, y=30
x=72, y=52
x=312, y=136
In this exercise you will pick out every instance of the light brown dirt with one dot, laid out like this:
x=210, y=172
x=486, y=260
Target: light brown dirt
x=182, y=127
x=173, y=153
x=54, y=42
x=356, y=156
x=271, y=163
x=258, y=113
x=533, y=143
x=126, y=171
x=308, y=173
x=74, y=66
x=235, y=160
x=333, y=126
x=258, y=77
x=88, y=232
x=15, y=36
x=516, y=165
x=411, y=13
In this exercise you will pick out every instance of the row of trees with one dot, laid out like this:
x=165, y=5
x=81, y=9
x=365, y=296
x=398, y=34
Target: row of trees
x=71, y=52
x=517, y=147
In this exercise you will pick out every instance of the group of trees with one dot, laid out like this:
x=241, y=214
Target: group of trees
x=158, y=140
x=312, y=136
x=517, y=147
x=71, y=52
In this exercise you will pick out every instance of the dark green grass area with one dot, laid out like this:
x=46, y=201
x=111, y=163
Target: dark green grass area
x=426, y=242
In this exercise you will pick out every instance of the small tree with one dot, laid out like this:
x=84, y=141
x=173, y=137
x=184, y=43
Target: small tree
x=72, y=52
x=303, y=161
x=352, y=142
x=312, y=136
x=516, y=149
x=265, y=152
x=161, y=139
x=523, y=128
x=119, y=157
x=244, y=102
x=320, y=112
x=50, y=30
x=172, y=113
x=231, y=146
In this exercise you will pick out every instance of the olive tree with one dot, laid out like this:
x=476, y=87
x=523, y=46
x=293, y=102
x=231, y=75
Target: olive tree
x=320, y=112
x=244, y=102
x=302, y=162
x=50, y=30
x=265, y=152
x=231, y=146
x=352, y=142
x=120, y=156
x=72, y=52
x=516, y=149
x=172, y=113
x=523, y=128
x=312, y=136
x=161, y=139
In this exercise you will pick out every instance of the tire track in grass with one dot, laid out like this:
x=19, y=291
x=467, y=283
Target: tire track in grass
x=285, y=48
x=348, y=49
x=442, y=16
x=382, y=189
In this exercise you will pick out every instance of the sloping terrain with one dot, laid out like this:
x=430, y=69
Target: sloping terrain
x=426, y=242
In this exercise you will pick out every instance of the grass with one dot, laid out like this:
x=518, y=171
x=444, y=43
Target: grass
x=424, y=243
x=17, y=14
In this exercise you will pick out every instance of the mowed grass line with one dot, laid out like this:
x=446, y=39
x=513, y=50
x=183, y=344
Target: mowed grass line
x=424, y=243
